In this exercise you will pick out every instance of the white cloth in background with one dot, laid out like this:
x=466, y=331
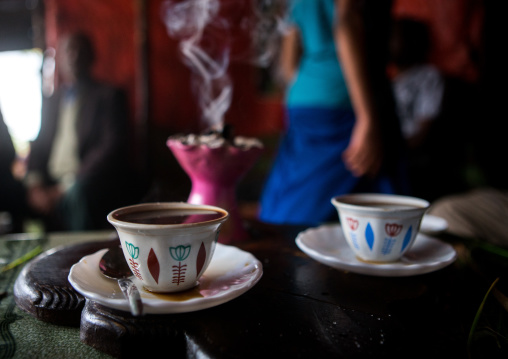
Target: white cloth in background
x=418, y=93
x=480, y=214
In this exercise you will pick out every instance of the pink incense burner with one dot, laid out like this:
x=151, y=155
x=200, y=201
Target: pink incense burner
x=215, y=171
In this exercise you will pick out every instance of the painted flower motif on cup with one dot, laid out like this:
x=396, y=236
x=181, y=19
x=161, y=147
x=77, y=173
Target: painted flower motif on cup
x=393, y=229
x=179, y=253
x=352, y=223
x=134, y=253
x=133, y=250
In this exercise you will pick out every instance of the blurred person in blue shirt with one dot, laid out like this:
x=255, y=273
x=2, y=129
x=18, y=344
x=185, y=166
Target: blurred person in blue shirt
x=337, y=140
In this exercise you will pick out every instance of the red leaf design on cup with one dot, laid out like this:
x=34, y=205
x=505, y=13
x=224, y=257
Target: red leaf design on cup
x=200, y=261
x=393, y=229
x=352, y=223
x=153, y=265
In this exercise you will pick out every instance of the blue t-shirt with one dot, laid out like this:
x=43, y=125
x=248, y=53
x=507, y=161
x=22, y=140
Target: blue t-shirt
x=319, y=80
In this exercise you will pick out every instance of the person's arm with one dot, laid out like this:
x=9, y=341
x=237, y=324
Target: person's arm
x=42, y=197
x=289, y=54
x=364, y=154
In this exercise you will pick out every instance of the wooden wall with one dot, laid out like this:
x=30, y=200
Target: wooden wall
x=115, y=28
x=134, y=51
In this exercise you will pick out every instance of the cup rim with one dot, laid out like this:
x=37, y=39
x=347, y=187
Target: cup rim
x=169, y=205
x=355, y=201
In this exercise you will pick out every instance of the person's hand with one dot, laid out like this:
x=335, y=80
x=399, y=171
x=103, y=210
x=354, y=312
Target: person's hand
x=364, y=154
x=44, y=199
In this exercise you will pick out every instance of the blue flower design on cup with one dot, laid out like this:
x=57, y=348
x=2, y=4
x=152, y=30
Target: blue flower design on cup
x=132, y=249
x=179, y=253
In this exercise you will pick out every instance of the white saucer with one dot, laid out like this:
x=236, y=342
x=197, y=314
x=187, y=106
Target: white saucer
x=326, y=244
x=231, y=273
x=433, y=224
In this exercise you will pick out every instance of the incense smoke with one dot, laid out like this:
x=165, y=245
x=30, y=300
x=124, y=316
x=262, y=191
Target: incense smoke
x=206, y=30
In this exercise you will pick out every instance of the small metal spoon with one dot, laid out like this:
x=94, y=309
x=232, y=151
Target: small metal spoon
x=114, y=266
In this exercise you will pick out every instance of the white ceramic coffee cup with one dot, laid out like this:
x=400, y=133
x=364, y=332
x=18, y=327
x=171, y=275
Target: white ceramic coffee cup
x=380, y=227
x=168, y=257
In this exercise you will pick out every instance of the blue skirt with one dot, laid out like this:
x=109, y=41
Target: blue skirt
x=308, y=169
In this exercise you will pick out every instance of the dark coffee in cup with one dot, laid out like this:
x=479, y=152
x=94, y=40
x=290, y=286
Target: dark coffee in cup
x=168, y=216
x=381, y=205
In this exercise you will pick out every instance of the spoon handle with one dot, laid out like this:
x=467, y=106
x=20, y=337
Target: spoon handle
x=131, y=292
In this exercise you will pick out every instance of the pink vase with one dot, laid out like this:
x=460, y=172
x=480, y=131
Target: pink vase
x=214, y=173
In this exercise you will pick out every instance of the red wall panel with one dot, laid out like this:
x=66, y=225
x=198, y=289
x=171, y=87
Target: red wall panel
x=113, y=26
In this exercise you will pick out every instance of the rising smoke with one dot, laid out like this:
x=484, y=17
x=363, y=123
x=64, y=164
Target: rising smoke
x=207, y=30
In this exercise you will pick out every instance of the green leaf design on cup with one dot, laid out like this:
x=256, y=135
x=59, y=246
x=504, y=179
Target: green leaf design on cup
x=132, y=250
x=180, y=253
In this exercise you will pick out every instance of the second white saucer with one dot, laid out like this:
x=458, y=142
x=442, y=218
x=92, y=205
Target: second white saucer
x=326, y=244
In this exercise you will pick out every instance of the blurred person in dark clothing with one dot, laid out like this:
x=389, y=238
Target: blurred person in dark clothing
x=78, y=162
x=12, y=194
x=419, y=90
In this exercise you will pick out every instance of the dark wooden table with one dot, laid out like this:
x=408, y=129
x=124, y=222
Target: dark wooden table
x=303, y=309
